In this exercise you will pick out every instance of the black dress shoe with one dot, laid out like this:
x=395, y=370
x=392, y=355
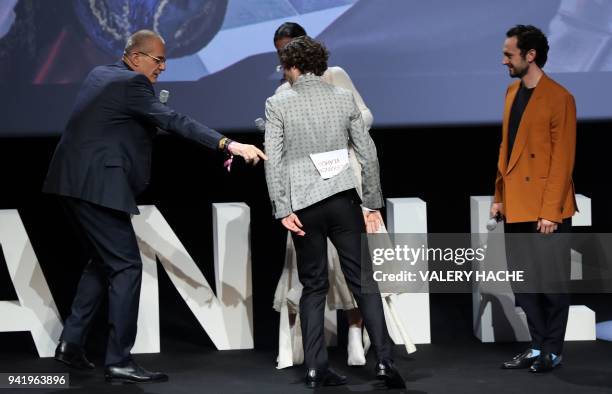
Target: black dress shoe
x=520, y=361
x=329, y=377
x=132, y=373
x=72, y=355
x=545, y=363
x=386, y=371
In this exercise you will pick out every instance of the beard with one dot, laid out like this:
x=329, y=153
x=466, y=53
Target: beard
x=518, y=72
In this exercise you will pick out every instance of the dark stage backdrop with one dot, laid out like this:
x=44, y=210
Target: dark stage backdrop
x=443, y=166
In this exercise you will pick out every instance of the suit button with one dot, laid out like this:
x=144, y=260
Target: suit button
x=527, y=178
x=533, y=156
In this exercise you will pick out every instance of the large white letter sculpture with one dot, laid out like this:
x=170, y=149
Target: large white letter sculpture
x=35, y=310
x=409, y=216
x=228, y=317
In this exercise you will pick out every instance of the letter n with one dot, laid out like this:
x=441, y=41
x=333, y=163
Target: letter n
x=227, y=317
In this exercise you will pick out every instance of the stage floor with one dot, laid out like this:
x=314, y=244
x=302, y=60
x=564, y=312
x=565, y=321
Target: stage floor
x=440, y=368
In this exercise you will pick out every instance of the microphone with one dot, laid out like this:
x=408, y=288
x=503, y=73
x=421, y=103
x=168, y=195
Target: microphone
x=164, y=95
x=492, y=223
x=260, y=124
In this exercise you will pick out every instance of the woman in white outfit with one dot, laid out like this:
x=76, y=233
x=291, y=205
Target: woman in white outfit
x=289, y=289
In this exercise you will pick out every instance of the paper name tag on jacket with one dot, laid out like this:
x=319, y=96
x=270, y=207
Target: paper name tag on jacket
x=330, y=164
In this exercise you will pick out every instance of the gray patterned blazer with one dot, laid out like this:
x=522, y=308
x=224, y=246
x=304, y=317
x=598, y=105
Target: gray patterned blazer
x=315, y=117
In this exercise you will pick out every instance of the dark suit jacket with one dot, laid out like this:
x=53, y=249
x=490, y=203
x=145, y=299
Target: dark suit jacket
x=537, y=180
x=104, y=155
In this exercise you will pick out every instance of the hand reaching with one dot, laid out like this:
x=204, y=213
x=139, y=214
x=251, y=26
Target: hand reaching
x=250, y=153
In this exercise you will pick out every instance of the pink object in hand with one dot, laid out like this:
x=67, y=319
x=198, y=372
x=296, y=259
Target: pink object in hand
x=228, y=163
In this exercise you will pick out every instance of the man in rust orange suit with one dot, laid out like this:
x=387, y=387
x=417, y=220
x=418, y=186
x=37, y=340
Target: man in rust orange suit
x=534, y=191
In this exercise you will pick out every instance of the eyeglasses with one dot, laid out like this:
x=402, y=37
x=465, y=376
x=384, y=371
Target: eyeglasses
x=158, y=60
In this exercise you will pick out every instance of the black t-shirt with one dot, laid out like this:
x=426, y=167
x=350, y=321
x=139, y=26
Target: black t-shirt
x=516, y=113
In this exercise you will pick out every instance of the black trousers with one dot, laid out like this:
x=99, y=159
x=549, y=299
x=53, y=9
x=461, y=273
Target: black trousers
x=338, y=218
x=548, y=258
x=114, y=270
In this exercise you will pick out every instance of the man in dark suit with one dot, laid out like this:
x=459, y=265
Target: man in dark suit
x=100, y=165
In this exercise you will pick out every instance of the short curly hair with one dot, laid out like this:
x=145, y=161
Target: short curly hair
x=305, y=54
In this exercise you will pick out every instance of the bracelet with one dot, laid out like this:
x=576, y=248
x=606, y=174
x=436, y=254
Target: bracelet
x=224, y=144
x=221, y=143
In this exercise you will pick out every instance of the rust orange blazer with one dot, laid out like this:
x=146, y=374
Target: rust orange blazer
x=536, y=182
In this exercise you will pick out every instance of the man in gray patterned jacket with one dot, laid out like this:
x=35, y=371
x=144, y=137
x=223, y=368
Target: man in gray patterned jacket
x=312, y=189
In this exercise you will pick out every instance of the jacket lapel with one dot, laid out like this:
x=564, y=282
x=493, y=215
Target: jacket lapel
x=523, y=130
x=503, y=156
